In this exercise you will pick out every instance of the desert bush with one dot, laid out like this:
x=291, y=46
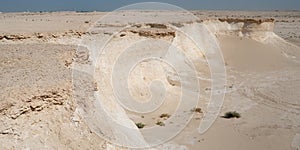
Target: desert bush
x=160, y=123
x=198, y=110
x=164, y=116
x=140, y=125
x=231, y=114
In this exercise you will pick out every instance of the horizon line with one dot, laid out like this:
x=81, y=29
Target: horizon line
x=49, y=11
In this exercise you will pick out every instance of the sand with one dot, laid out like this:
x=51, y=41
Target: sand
x=48, y=96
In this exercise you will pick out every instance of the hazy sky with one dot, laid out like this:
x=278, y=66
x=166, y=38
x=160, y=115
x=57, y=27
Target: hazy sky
x=109, y=5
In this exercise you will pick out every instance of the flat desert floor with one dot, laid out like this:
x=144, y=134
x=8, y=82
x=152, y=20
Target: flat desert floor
x=46, y=104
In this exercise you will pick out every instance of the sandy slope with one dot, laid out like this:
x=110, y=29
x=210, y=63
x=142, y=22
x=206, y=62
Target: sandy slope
x=39, y=110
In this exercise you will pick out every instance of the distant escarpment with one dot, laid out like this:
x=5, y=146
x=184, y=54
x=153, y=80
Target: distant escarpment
x=246, y=20
x=257, y=29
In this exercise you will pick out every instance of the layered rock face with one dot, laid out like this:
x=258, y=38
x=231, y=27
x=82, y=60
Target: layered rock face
x=260, y=29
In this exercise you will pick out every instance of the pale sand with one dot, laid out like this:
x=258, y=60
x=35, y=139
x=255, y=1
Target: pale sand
x=38, y=110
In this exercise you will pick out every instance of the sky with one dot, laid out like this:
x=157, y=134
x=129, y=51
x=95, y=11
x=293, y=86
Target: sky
x=110, y=5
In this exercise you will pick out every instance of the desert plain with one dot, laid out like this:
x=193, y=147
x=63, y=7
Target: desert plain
x=48, y=98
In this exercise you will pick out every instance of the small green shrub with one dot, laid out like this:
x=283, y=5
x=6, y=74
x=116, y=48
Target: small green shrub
x=164, y=116
x=198, y=110
x=231, y=114
x=160, y=123
x=140, y=125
